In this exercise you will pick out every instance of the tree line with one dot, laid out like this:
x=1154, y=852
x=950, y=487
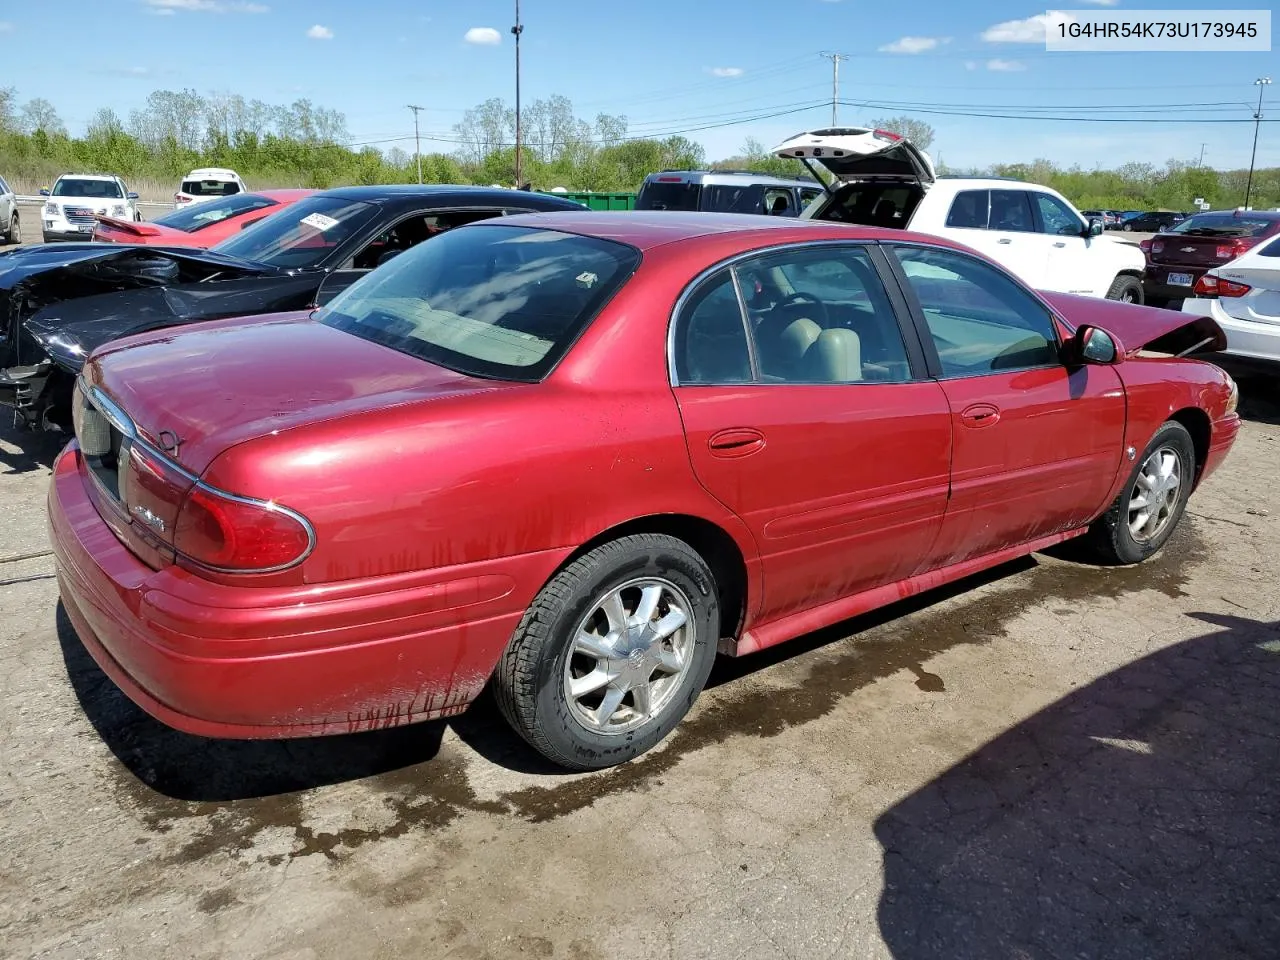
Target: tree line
x=303, y=144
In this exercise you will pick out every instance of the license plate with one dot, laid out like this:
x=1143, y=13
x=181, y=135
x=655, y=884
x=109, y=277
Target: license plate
x=1179, y=279
x=88, y=228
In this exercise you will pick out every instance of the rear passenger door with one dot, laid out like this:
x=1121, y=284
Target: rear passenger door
x=810, y=415
x=999, y=224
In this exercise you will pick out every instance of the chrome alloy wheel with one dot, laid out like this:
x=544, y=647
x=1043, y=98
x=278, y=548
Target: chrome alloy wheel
x=1154, y=497
x=630, y=655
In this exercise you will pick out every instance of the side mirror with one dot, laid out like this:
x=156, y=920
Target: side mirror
x=1094, y=345
x=1096, y=226
x=133, y=196
x=44, y=193
x=387, y=255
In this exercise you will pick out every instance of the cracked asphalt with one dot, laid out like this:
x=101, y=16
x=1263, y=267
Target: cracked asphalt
x=1051, y=760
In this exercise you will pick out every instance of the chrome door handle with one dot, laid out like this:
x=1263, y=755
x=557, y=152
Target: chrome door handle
x=1005, y=240
x=1059, y=244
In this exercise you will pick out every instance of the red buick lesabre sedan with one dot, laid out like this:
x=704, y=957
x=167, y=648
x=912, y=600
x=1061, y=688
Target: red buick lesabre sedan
x=576, y=454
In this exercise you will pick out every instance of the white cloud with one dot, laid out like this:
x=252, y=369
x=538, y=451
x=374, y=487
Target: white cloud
x=1030, y=30
x=167, y=8
x=913, y=44
x=483, y=36
x=1006, y=66
x=724, y=71
x=320, y=33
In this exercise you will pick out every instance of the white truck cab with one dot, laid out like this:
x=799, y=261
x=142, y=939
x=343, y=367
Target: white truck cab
x=883, y=180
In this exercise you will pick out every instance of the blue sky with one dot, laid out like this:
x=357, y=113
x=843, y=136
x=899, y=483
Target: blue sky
x=719, y=65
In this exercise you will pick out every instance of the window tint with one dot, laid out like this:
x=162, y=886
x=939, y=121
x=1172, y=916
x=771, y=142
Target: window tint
x=969, y=209
x=821, y=315
x=711, y=344
x=1011, y=211
x=1223, y=225
x=1272, y=249
x=1057, y=217
x=489, y=301
x=195, y=217
x=731, y=198
x=668, y=195
x=411, y=231
x=210, y=188
x=777, y=202
x=4, y=186
x=873, y=204
x=808, y=195
x=979, y=319
x=94, y=189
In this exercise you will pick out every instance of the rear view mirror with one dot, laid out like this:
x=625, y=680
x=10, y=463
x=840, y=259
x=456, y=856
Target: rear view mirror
x=1096, y=226
x=1094, y=345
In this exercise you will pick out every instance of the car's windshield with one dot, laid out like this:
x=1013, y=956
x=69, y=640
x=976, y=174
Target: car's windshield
x=306, y=235
x=1223, y=225
x=91, y=189
x=489, y=301
x=192, y=218
x=668, y=195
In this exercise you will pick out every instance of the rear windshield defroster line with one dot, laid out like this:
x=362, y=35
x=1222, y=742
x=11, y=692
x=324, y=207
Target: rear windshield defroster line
x=499, y=302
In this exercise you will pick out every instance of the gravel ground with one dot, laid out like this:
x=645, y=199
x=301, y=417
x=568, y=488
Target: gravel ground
x=1051, y=760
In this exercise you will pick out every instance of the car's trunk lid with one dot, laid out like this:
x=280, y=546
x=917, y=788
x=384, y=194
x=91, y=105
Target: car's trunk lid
x=195, y=395
x=859, y=153
x=1208, y=240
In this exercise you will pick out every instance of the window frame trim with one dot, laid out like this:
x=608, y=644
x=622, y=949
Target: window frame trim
x=881, y=263
x=921, y=322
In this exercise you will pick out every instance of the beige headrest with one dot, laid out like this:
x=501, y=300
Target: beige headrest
x=835, y=357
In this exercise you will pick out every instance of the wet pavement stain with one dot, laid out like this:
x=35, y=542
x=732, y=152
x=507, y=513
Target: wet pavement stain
x=165, y=775
x=213, y=901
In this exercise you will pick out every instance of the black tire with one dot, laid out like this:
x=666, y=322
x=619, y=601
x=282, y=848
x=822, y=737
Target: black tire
x=1126, y=288
x=1111, y=536
x=14, y=234
x=529, y=684
x=137, y=216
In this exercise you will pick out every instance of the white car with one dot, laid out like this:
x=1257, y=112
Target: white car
x=77, y=198
x=883, y=180
x=10, y=228
x=208, y=183
x=1243, y=296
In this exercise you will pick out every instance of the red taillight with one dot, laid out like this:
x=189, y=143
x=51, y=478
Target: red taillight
x=239, y=535
x=153, y=491
x=1211, y=286
x=1157, y=246
x=1145, y=246
x=1229, y=251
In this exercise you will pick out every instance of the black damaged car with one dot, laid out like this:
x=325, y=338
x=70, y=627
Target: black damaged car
x=59, y=302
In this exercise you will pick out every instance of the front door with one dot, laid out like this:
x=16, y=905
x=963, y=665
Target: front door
x=807, y=416
x=1071, y=268
x=1037, y=444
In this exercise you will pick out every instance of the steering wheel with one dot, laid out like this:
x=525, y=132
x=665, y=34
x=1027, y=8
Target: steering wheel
x=793, y=299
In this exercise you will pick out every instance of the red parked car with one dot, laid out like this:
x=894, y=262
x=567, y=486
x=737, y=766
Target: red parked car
x=579, y=453
x=1181, y=255
x=199, y=225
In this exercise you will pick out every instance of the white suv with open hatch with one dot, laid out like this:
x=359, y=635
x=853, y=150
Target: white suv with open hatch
x=883, y=180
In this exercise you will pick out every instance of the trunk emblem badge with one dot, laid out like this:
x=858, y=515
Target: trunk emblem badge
x=149, y=518
x=1188, y=249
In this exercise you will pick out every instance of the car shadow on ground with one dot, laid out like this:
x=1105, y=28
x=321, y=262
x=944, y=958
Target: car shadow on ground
x=24, y=451
x=1259, y=394
x=1138, y=817
x=186, y=767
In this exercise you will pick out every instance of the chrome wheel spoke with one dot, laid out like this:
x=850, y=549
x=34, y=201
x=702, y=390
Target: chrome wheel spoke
x=673, y=621
x=650, y=597
x=1139, y=502
x=670, y=661
x=593, y=681
x=642, y=698
x=609, y=705
x=615, y=613
x=593, y=645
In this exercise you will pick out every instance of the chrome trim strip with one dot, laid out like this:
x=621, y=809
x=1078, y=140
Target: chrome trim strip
x=121, y=421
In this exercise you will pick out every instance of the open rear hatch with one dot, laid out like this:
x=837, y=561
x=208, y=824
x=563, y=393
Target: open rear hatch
x=858, y=153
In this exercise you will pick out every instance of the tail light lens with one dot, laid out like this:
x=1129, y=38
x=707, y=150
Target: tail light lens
x=1157, y=246
x=152, y=491
x=239, y=535
x=1229, y=251
x=1211, y=286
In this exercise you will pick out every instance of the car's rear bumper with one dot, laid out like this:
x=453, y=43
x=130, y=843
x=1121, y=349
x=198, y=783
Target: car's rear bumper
x=1154, y=281
x=56, y=236
x=1245, y=338
x=253, y=662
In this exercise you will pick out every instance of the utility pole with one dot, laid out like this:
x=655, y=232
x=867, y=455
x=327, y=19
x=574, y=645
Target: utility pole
x=517, y=30
x=835, y=59
x=417, y=144
x=1201, y=161
x=1261, y=83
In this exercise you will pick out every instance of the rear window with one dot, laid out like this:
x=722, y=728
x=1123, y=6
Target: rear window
x=1224, y=225
x=872, y=204
x=969, y=209
x=210, y=188
x=193, y=218
x=660, y=195
x=499, y=302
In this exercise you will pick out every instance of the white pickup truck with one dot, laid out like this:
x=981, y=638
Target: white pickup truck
x=883, y=180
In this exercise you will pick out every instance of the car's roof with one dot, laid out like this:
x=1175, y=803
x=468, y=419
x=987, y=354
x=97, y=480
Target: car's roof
x=715, y=177
x=1258, y=214
x=407, y=194
x=88, y=176
x=646, y=229
x=211, y=173
x=287, y=193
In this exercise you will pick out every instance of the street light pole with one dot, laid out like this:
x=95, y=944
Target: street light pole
x=417, y=143
x=517, y=30
x=1261, y=83
x=835, y=59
